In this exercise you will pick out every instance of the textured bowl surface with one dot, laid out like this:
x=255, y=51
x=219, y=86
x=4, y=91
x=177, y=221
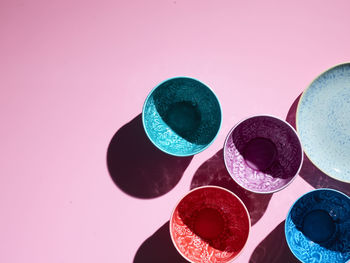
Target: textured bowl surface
x=263, y=154
x=182, y=116
x=210, y=224
x=317, y=227
x=323, y=122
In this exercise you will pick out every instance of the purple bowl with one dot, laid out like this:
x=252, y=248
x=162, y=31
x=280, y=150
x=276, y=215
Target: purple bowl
x=263, y=154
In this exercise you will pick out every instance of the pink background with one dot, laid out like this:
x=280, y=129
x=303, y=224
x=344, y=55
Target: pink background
x=73, y=72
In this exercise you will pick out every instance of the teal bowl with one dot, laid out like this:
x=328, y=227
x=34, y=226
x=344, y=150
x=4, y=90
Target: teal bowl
x=181, y=116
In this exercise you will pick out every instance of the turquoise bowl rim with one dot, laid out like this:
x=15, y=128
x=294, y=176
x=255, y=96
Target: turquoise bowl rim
x=290, y=209
x=149, y=137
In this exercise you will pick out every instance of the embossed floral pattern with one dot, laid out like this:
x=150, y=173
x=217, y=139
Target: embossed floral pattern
x=164, y=134
x=336, y=248
x=226, y=245
x=282, y=170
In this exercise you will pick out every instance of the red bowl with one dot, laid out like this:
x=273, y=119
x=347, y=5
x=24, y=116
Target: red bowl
x=210, y=224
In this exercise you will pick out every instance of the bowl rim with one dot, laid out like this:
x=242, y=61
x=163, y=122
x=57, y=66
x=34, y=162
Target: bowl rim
x=208, y=187
x=297, y=128
x=279, y=119
x=300, y=197
x=143, y=116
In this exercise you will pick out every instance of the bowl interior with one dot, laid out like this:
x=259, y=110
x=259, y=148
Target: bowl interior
x=323, y=122
x=210, y=224
x=317, y=227
x=182, y=116
x=263, y=154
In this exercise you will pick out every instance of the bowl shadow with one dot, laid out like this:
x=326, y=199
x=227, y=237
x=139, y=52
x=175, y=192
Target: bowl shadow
x=139, y=168
x=159, y=248
x=309, y=172
x=213, y=172
x=274, y=248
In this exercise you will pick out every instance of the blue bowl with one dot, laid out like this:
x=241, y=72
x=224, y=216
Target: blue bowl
x=181, y=116
x=317, y=227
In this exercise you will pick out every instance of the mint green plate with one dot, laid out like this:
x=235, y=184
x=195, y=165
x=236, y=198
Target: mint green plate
x=323, y=122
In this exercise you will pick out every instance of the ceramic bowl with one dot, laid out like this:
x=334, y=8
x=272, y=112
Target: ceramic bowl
x=181, y=116
x=323, y=122
x=317, y=227
x=210, y=224
x=263, y=154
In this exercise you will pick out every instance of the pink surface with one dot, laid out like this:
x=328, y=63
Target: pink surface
x=73, y=72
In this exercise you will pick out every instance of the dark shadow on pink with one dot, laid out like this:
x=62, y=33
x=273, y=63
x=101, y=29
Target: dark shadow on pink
x=213, y=172
x=159, y=248
x=138, y=167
